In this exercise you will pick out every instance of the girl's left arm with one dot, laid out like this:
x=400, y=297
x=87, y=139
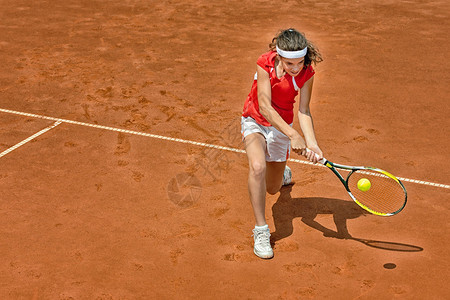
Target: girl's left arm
x=306, y=121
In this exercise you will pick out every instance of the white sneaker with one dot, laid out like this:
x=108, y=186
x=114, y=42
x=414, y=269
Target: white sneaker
x=287, y=176
x=262, y=247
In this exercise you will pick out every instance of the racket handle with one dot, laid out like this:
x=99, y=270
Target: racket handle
x=322, y=161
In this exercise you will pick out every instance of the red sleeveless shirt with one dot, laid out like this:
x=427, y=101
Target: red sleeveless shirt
x=284, y=91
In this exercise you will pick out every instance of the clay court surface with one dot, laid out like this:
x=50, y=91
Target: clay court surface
x=118, y=211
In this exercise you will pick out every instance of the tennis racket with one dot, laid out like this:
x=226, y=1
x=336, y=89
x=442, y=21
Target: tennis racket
x=386, y=195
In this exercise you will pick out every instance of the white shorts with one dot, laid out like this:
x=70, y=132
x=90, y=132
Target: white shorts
x=278, y=145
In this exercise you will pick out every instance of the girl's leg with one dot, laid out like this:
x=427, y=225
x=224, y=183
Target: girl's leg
x=274, y=176
x=255, y=146
x=262, y=176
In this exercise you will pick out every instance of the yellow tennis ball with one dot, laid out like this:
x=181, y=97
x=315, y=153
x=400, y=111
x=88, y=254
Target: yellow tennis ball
x=364, y=184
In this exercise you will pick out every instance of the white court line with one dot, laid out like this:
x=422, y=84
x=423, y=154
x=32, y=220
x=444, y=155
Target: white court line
x=29, y=139
x=161, y=137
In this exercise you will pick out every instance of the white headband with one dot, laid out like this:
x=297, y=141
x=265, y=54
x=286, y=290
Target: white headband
x=292, y=54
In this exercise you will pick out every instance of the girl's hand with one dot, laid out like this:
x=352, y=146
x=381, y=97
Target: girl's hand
x=311, y=155
x=298, y=144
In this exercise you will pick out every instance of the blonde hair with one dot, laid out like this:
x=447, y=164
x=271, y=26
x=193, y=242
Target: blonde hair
x=292, y=40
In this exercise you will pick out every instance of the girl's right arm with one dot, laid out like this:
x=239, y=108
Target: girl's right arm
x=271, y=115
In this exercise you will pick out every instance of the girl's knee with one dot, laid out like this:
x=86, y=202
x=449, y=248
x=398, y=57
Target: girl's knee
x=272, y=190
x=257, y=168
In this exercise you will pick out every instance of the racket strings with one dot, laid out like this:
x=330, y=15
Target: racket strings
x=385, y=194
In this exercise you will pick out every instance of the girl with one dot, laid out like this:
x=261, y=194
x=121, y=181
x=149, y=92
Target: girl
x=282, y=73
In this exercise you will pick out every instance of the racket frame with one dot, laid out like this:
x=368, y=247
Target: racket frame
x=332, y=166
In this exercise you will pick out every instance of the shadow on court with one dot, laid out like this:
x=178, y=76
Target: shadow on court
x=287, y=208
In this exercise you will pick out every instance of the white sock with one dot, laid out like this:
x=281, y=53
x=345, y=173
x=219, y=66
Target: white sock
x=264, y=227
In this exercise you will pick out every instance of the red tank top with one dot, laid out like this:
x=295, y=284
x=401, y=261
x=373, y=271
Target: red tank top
x=284, y=91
